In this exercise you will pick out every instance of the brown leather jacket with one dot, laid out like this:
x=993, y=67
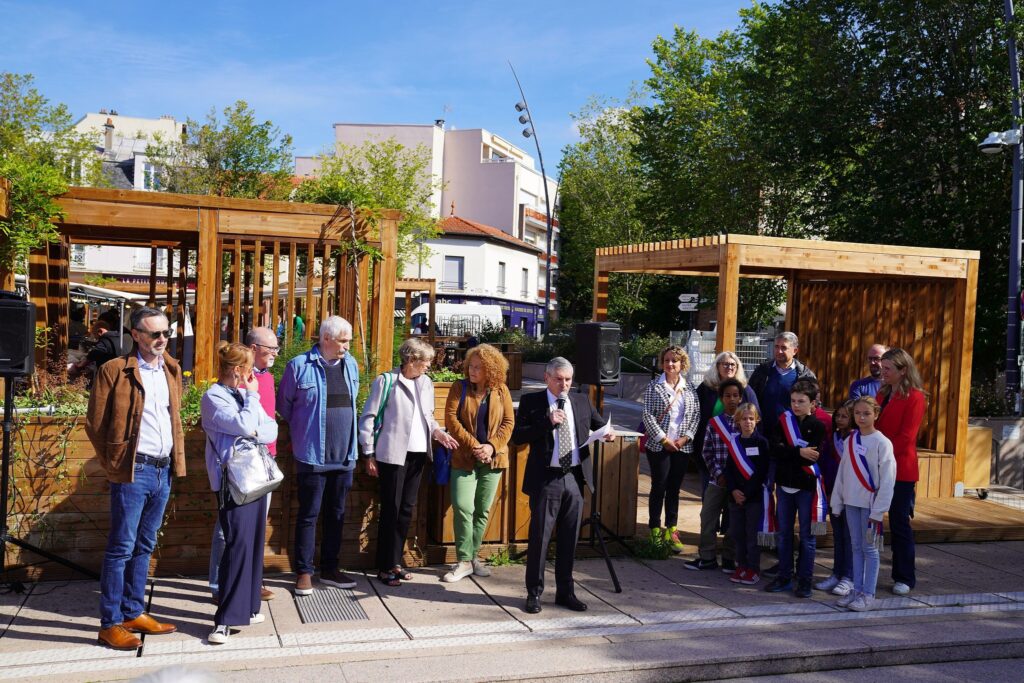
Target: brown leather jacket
x=115, y=415
x=500, y=420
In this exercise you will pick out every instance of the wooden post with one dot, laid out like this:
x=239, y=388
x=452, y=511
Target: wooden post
x=208, y=289
x=432, y=312
x=275, y=274
x=236, y=294
x=310, y=301
x=792, y=301
x=599, y=310
x=960, y=375
x=728, y=295
x=37, y=292
x=58, y=303
x=289, y=306
x=182, y=292
x=325, y=273
x=384, y=282
x=258, y=319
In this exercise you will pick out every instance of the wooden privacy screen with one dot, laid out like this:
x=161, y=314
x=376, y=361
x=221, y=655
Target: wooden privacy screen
x=838, y=321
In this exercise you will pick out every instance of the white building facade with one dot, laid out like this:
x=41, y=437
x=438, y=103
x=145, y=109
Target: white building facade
x=492, y=185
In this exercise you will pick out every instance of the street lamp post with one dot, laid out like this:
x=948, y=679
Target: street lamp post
x=530, y=131
x=993, y=144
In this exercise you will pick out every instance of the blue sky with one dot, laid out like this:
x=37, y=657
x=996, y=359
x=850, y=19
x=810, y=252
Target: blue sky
x=306, y=65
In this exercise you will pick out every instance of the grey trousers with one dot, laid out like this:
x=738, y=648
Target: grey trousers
x=716, y=498
x=558, y=505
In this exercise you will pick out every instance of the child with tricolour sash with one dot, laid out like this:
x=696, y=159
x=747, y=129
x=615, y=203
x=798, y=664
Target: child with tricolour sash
x=863, y=491
x=745, y=473
x=799, y=489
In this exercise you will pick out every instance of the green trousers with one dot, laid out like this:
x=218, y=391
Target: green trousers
x=472, y=494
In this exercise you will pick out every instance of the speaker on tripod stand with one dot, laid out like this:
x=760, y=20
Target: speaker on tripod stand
x=17, y=359
x=597, y=353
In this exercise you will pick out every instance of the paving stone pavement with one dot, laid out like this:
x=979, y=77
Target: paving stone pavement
x=667, y=624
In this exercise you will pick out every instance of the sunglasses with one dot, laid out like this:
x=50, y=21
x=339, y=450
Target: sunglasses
x=166, y=334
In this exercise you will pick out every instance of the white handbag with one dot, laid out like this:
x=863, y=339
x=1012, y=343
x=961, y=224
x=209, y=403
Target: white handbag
x=250, y=471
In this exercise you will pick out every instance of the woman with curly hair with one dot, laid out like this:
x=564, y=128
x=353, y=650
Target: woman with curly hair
x=478, y=413
x=670, y=422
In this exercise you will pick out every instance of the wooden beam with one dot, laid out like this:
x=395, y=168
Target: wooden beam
x=5, y=198
x=99, y=214
x=308, y=311
x=728, y=296
x=208, y=274
x=960, y=380
x=384, y=283
x=257, y=288
x=236, y=294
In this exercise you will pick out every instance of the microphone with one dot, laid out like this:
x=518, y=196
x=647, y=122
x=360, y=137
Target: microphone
x=560, y=404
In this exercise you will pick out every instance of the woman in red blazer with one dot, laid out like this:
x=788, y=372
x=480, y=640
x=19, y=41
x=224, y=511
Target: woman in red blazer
x=903, y=403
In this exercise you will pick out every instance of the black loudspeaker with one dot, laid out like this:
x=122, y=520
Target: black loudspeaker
x=17, y=336
x=597, y=353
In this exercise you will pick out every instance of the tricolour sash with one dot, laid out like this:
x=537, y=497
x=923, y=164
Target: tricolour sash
x=766, y=534
x=855, y=451
x=819, y=505
x=732, y=444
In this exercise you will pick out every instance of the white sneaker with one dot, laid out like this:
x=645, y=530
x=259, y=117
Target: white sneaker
x=863, y=603
x=219, y=635
x=827, y=584
x=257, y=619
x=480, y=568
x=847, y=599
x=900, y=588
x=458, y=572
x=844, y=587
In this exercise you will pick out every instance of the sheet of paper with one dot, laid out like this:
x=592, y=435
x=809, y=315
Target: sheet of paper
x=600, y=433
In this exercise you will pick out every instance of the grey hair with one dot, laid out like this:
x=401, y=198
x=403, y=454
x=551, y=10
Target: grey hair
x=333, y=326
x=712, y=378
x=254, y=335
x=413, y=349
x=140, y=314
x=789, y=338
x=557, y=363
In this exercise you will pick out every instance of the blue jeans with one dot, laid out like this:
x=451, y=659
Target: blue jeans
x=902, y=536
x=329, y=491
x=865, y=557
x=136, y=513
x=842, y=553
x=787, y=505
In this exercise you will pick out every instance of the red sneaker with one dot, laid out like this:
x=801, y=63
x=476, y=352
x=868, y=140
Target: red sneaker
x=751, y=578
x=738, y=575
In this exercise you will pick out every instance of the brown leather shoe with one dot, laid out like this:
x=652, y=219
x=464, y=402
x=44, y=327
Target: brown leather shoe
x=148, y=625
x=266, y=593
x=118, y=638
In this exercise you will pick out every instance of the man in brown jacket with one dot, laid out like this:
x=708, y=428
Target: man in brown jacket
x=134, y=423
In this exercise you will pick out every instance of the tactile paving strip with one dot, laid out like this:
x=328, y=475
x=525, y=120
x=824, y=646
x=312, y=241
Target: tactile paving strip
x=334, y=604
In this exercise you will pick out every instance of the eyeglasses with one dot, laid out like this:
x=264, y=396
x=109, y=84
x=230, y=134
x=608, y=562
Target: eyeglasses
x=272, y=349
x=727, y=366
x=166, y=334
x=874, y=359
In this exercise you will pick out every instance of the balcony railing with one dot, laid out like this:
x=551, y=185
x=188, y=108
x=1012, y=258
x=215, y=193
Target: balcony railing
x=452, y=286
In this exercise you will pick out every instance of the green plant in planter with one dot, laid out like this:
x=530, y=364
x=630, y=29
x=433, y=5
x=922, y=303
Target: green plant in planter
x=192, y=399
x=444, y=375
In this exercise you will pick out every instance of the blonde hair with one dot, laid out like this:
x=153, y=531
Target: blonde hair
x=911, y=377
x=232, y=356
x=868, y=401
x=712, y=378
x=676, y=350
x=494, y=365
x=747, y=408
x=413, y=349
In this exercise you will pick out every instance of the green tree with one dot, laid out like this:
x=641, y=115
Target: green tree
x=40, y=153
x=379, y=175
x=234, y=157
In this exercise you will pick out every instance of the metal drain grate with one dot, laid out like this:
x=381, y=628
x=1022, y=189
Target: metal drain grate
x=332, y=604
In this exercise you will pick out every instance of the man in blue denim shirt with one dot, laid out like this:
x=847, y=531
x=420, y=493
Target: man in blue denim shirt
x=317, y=397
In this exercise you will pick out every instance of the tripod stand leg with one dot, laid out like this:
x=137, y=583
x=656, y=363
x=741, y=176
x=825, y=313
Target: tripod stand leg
x=595, y=530
x=7, y=538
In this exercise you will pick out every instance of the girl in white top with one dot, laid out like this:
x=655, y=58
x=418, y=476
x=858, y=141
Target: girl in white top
x=864, y=485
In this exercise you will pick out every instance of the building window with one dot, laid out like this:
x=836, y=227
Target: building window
x=526, y=283
x=150, y=177
x=454, y=267
x=501, y=277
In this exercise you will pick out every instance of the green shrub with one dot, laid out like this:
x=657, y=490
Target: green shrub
x=988, y=401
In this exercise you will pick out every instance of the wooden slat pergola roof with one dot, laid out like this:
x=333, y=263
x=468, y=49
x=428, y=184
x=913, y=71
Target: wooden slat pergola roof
x=841, y=297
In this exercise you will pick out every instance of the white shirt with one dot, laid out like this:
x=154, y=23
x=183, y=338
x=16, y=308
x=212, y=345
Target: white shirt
x=155, y=431
x=418, y=440
x=567, y=409
x=675, y=409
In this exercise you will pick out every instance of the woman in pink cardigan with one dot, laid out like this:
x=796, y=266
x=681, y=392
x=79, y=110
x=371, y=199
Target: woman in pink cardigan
x=903, y=403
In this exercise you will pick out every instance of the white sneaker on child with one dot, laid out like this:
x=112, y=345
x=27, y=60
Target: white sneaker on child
x=900, y=588
x=847, y=599
x=827, y=584
x=843, y=587
x=863, y=603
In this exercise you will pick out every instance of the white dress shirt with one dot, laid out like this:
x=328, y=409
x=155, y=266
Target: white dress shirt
x=155, y=431
x=567, y=409
x=675, y=410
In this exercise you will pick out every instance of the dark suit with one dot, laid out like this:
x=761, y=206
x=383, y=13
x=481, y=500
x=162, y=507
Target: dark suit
x=556, y=499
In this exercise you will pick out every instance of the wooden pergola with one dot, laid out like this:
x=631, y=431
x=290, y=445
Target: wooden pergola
x=230, y=247
x=841, y=298
x=418, y=285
